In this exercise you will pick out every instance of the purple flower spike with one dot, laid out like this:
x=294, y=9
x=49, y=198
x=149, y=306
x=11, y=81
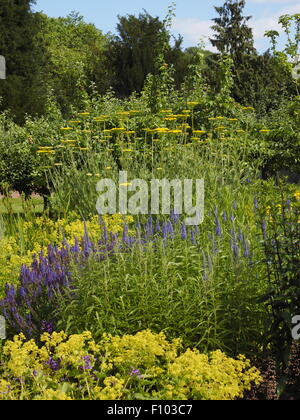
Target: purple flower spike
x=183, y=231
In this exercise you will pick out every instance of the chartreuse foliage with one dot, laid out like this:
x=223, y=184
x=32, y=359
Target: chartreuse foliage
x=143, y=366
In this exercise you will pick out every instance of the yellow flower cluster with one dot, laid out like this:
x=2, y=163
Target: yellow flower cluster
x=11, y=260
x=116, y=368
x=199, y=376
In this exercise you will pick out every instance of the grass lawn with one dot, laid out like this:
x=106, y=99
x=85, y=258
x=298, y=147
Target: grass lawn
x=16, y=205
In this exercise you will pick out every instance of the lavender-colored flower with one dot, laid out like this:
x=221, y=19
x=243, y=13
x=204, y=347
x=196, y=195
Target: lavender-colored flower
x=170, y=230
x=236, y=250
x=136, y=373
x=218, y=227
x=174, y=217
x=246, y=249
x=193, y=239
x=264, y=229
x=54, y=365
x=158, y=227
x=125, y=232
x=88, y=363
x=183, y=231
x=240, y=235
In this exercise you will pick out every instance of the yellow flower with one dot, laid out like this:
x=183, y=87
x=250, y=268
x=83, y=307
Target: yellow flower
x=161, y=129
x=46, y=151
x=124, y=113
x=175, y=131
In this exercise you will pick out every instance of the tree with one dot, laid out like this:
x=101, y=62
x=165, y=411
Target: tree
x=76, y=58
x=133, y=52
x=22, y=91
x=259, y=81
x=234, y=37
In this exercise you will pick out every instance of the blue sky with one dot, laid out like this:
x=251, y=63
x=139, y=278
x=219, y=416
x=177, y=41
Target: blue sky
x=193, y=17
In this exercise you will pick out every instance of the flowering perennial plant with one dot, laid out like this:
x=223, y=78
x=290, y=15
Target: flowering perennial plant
x=142, y=366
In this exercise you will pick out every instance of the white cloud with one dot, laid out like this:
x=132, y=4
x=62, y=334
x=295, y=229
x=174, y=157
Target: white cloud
x=266, y=23
x=270, y=2
x=193, y=29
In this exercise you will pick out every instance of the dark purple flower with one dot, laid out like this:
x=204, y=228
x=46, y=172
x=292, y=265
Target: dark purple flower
x=47, y=327
x=54, y=365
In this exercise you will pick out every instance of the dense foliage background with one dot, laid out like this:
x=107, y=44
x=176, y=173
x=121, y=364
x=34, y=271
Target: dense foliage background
x=79, y=105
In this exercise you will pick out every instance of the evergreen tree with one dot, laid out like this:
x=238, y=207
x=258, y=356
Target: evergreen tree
x=234, y=37
x=133, y=51
x=22, y=91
